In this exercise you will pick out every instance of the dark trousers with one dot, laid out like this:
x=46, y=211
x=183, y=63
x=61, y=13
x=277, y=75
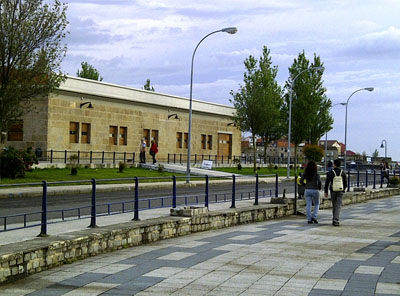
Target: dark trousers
x=154, y=157
x=142, y=157
x=336, y=198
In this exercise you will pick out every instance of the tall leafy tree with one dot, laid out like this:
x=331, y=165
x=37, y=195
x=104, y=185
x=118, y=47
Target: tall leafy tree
x=148, y=86
x=257, y=101
x=89, y=72
x=31, y=33
x=272, y=127
x=310, y=105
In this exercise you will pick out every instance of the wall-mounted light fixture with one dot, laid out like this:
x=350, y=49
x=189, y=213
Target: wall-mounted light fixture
x=231, y=124
x=90, y=106
x=174, y=116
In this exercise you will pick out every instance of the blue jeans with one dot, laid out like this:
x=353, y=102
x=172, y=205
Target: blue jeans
x=312, y=196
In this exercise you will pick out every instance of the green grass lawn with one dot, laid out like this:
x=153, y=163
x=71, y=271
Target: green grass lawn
x=53, y=175
x=263, y=171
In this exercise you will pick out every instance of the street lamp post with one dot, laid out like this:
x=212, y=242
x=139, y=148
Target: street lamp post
x=290, y=112
x=345, y=125
x=230, y=30
x=326, y=135
x=385, y=147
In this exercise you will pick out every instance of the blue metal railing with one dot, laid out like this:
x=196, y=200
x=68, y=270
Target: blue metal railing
x=135, y=205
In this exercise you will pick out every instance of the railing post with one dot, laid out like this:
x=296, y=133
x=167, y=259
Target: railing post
x=206, y=194
x=256, y=197
x=51, y=156
x=195, y=158
x=174, y=158
x=79, y=155
x=295, y=194
x=222, y=157
x=276, y=185
x=374, y=179
x=180, y=158
x=124, y=157
x=114, y=157
x=91, y=157
x=133, y=157
x=43, y=226
x=358, y=178
x=65, y=156
x=93, y=208
x=381, y=178
x=136, y=205
x=174, y=192
x=348, y=181
x=366, y=178
x=233, y=205
x=168, y=159
x=102, y=156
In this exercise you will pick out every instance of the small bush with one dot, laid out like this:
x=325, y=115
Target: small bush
x=73, y=163
x=291, y=166
x=14, y=163
x=394, y=181
x=258, y=168
x=239, y=167
x=121, y=167
x=160, y=168
x=275, y=167
x=313, y=152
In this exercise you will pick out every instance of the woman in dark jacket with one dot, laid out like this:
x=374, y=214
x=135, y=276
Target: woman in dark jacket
x=312, y=182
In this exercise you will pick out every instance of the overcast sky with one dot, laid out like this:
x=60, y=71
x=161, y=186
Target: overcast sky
x=357, y=40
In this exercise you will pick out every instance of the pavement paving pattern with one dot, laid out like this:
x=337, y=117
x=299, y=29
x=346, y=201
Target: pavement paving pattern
x=279, y=257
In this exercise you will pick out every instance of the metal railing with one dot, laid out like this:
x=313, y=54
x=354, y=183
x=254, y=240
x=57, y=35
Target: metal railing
x=94, y=209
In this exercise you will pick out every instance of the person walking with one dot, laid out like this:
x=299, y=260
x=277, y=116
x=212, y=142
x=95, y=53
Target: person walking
x=143, y=151
x=153, y=151
x=312, y=182
x=336, y=182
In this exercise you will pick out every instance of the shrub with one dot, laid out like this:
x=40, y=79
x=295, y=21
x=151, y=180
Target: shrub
x=275, y=167
x=394, y=181
x=121, y=167
x=239, y=167
x=73, y=163
x=313, y=152
x=14, y=163
x=160, y=168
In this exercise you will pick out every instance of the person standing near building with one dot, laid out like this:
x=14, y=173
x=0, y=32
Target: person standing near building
x=143, y=151
x=312, y=182
x=153, y=151
x=336, y=182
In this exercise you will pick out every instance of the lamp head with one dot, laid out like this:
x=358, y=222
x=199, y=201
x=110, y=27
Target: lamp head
x=230, y=30
x=369, y=88
x=382, y=145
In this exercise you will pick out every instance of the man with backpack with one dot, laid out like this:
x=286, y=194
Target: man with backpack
x=336, y=182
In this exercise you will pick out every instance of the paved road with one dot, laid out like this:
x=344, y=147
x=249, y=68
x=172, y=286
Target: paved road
x=280, y=257
x=18, y=205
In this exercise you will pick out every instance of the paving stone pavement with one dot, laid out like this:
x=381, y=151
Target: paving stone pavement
x=278, y=257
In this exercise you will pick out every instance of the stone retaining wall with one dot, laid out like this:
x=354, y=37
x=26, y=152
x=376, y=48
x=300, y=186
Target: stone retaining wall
x=24, y=258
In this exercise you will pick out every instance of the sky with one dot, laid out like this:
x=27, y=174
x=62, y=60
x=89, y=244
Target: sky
x=357, y=40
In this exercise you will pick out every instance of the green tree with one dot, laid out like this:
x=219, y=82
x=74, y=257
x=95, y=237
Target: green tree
x=147, y=86
x=89, y=72
x=259, y=87
x=31, y=52
x=272, y=127
x=310, y=105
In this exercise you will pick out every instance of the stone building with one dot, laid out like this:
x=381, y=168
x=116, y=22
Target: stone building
x=86, y=115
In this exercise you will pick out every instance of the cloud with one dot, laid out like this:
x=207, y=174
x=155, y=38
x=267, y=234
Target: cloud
x=382, y=45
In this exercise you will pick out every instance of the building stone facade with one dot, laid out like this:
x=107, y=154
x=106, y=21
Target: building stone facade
x=121, y=117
